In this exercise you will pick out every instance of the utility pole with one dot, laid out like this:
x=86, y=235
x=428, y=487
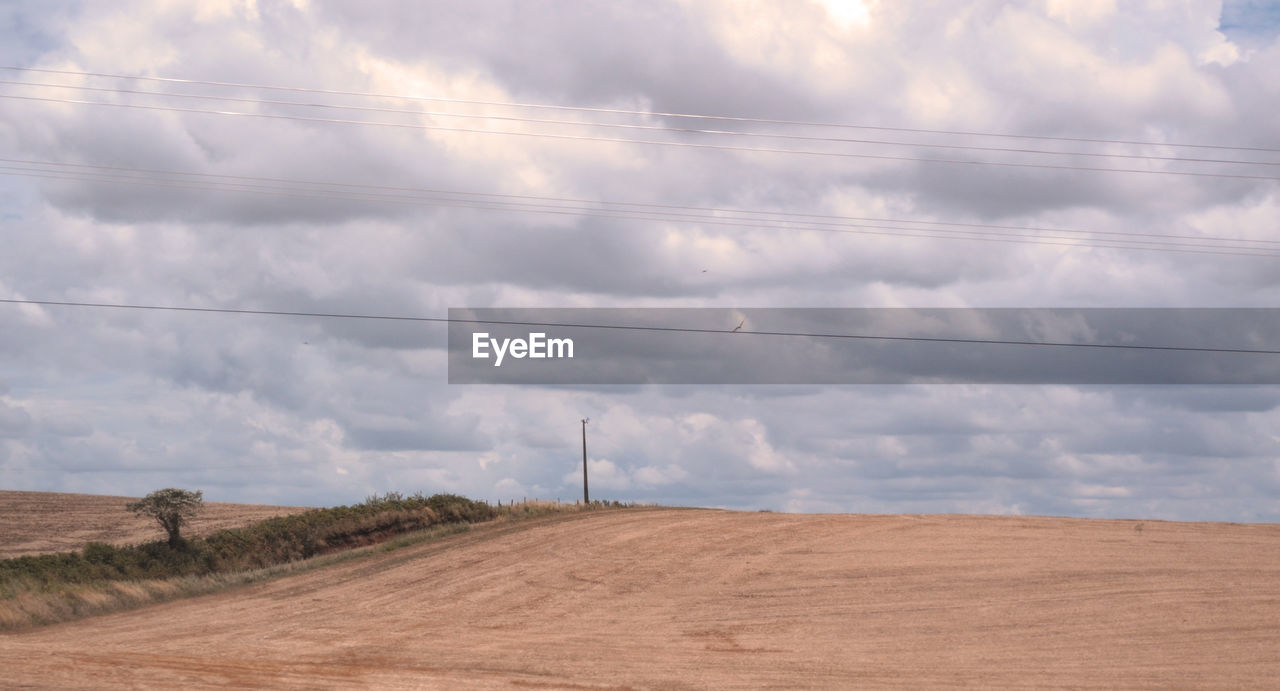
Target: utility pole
x=586, y=496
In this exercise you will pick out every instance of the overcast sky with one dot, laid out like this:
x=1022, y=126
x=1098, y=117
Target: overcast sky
x=311, y=411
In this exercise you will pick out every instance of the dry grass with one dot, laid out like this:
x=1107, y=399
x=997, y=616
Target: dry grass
x=28, y=607
x=25, y=602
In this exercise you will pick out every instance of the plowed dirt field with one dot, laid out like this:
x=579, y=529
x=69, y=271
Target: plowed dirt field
x=713, y=599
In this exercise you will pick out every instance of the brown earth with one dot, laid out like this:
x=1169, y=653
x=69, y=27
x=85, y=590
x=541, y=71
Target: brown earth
x=712, y=599
x=41, y=522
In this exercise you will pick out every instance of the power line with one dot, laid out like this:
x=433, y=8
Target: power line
x=1213, y=246
x=1207, y=245
x=622, y=111
x=857, y=229
x=652, y=142
x=655, y=128
x=614, y=203
x=634, y=327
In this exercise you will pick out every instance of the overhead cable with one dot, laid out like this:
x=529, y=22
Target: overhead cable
x=639, y=327
x=622, y=111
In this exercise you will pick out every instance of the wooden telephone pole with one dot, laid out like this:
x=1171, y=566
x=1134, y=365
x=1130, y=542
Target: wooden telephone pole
x=586, y=496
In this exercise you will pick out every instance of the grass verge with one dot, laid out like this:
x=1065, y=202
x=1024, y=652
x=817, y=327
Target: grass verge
x=99, y=579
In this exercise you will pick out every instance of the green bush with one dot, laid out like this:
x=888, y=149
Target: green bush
x=452, y=508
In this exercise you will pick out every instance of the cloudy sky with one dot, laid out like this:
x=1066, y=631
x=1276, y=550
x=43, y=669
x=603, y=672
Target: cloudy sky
x=203, y=191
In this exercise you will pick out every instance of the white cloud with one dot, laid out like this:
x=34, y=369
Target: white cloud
x=309, y=411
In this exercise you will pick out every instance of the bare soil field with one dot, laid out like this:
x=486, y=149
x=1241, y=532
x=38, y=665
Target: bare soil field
x=40, y=522
x=712, y=599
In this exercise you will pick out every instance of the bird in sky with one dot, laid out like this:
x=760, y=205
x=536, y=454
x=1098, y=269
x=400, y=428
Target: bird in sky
x=739, y=326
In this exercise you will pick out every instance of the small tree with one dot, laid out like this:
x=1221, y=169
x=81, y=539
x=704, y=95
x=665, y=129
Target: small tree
x=172, y=508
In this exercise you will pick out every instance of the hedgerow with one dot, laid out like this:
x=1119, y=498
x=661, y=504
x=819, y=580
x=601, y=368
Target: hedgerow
x=273, y=541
